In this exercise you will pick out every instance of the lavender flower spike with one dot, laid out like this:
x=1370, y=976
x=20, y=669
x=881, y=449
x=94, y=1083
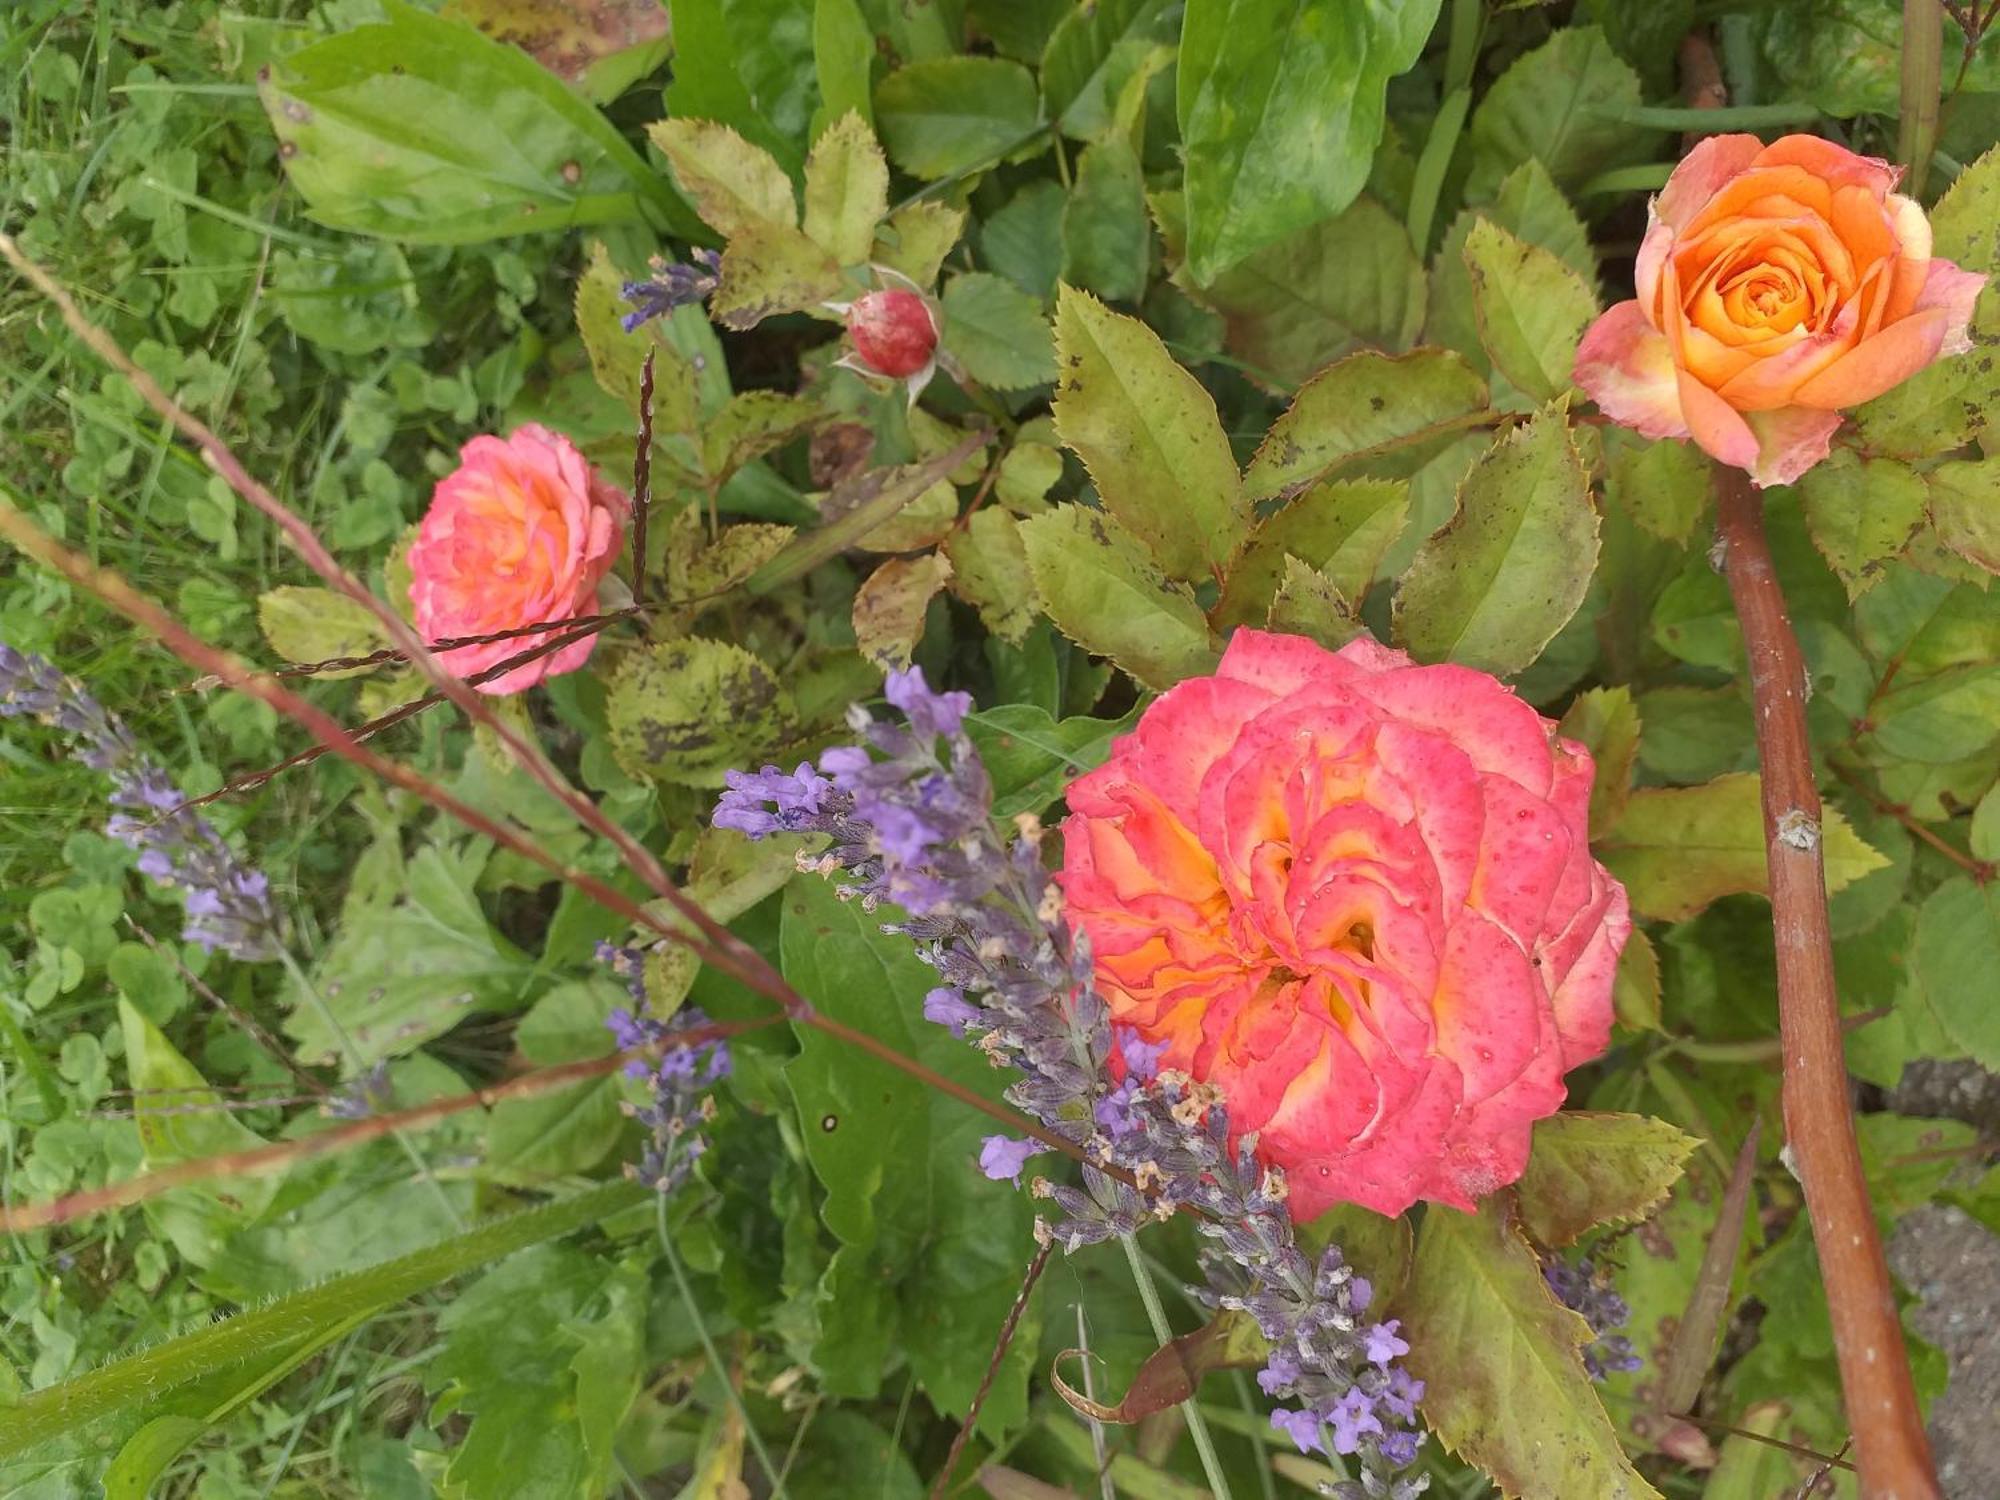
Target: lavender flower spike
x=673, y=284
x=1586, y=1290
x=228, y=904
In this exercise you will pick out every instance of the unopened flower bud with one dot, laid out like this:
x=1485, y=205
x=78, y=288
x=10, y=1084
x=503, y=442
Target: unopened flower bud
x=894, y=332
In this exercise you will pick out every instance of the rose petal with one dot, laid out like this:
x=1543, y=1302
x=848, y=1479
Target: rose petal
x=1790, y=441
x=1830, y=163
x=1875, y=364
x=1955, y=292
x=1715, y=424
x=1626, y=366
x=1715, y=160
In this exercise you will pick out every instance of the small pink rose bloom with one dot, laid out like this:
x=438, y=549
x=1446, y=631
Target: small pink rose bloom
x=522, y=532
x=1778, y=285
x=1356, y=895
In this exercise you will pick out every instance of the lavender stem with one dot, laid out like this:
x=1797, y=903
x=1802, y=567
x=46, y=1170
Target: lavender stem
x=1204, y=1442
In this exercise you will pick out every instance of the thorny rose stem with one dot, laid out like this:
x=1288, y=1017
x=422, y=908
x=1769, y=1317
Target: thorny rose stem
x=1892, y=1451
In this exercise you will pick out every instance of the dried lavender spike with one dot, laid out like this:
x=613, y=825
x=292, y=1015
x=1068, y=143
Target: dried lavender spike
x=1585, y=1289
x=228, y=903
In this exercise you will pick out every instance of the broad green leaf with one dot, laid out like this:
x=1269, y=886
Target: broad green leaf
x=952, y=114
x=601, y=48
x=229, y=1359
x=1281, y=108
x=1022, y=240
x=1588, y=1169
x=702, y=570
x=1340, y=528
x=1965, y=508
x=1027, y=474
x=889, y=607
x=1102, y=591
x=1031, y=757
x=1556, y=105
x=398, y=975
x=1845, y=55
x=509, y=1363
x=1294, y=306
x=1149, y=435
x=1955, y=956
x=1948, y=715
x=997, y=331
x=1635, y=994
x=924, y=522
x=1366, y=407
x=1531, y=309
x=688, y=710
x=390, y=129
x=1307, y=602
x=917, y=238
x=1678, y=849
x=1664, y=486
x=618, y=358
x=1529, y=206
x=990, y=572
x=1606, y=722
x=1862, y=512
x=1492, y=587
x=1504, y=1384
x=363, y=300
x=843, y=58
x=736, y=186
x=748, y=64
x=531, y=1142
x=1107, y=238
x=847, y=190
x=1019, y=29
x=1984, y=837
x=315, y=624
x=903, y=1194
x=1090, y=50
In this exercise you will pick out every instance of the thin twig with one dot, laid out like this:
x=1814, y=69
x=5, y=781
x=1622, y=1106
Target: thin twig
x=1980, y=870
x=1893, y=1453
x=389, y=655
x=642, y=480
x=1000, y=1347
x=20, y=1218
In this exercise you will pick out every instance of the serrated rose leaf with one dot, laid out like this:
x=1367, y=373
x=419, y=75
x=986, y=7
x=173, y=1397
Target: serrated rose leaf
x=1587, y=1169
x=1103, y=592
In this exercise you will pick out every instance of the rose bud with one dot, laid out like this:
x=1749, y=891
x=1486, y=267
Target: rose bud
x=1777, y=286
x=1356, y=896
x=894, y=332
x=522, y=532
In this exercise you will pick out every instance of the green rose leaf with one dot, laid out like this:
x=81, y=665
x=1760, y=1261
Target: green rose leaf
x=1862, y=512
x=315, y=624
x=997, y=332
x=1341, y=529
x=1149, y=435
x=1965, y=508
x=688, y=710
x=1529, y=206
x=1606, y=722
x=916, y=239
x=390, y=129
x=1664, y=486
x=1303, y=301
x=843, y=58
x=1531, y=309
x=1308, y=602
x=1504, y=1384
x=1104, y=593
x=1587, y=1169
x=847, y=190
x=1494, y=585
x=1956, y=954
x=946, y=115
x=1107, y=239
x=748, y=64
x=1090, y=52
x=990, y=572
x=769, y=269
x=1366, y=407
x=889, y=607
x=1281, y=107
x=1558, y=105
x=1679, y=848
x=1031, y=757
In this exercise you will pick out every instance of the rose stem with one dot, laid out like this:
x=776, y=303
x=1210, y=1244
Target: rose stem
x=1891, y=1450
x=993, y=1363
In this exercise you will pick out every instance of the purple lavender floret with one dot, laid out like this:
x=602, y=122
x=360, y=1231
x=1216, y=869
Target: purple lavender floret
x=908, y=820
x=680, y=1081
x=673, y=284
x=228, y=904
x=1586, y=1290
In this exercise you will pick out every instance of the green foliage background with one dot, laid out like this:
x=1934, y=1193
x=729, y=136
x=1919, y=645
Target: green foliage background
x=1254, y=313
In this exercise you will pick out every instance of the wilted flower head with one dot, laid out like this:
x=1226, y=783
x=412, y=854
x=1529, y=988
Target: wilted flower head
x=673, y=284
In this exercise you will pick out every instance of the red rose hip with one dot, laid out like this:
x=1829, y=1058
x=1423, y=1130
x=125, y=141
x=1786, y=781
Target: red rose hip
x=893, y=331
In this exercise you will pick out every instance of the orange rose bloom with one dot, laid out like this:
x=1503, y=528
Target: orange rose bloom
x=1777, y=286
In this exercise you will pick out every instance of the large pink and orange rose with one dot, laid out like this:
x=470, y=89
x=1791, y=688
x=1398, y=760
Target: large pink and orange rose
x=1777, y=285
x=1355, y=894
x=522, y=532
